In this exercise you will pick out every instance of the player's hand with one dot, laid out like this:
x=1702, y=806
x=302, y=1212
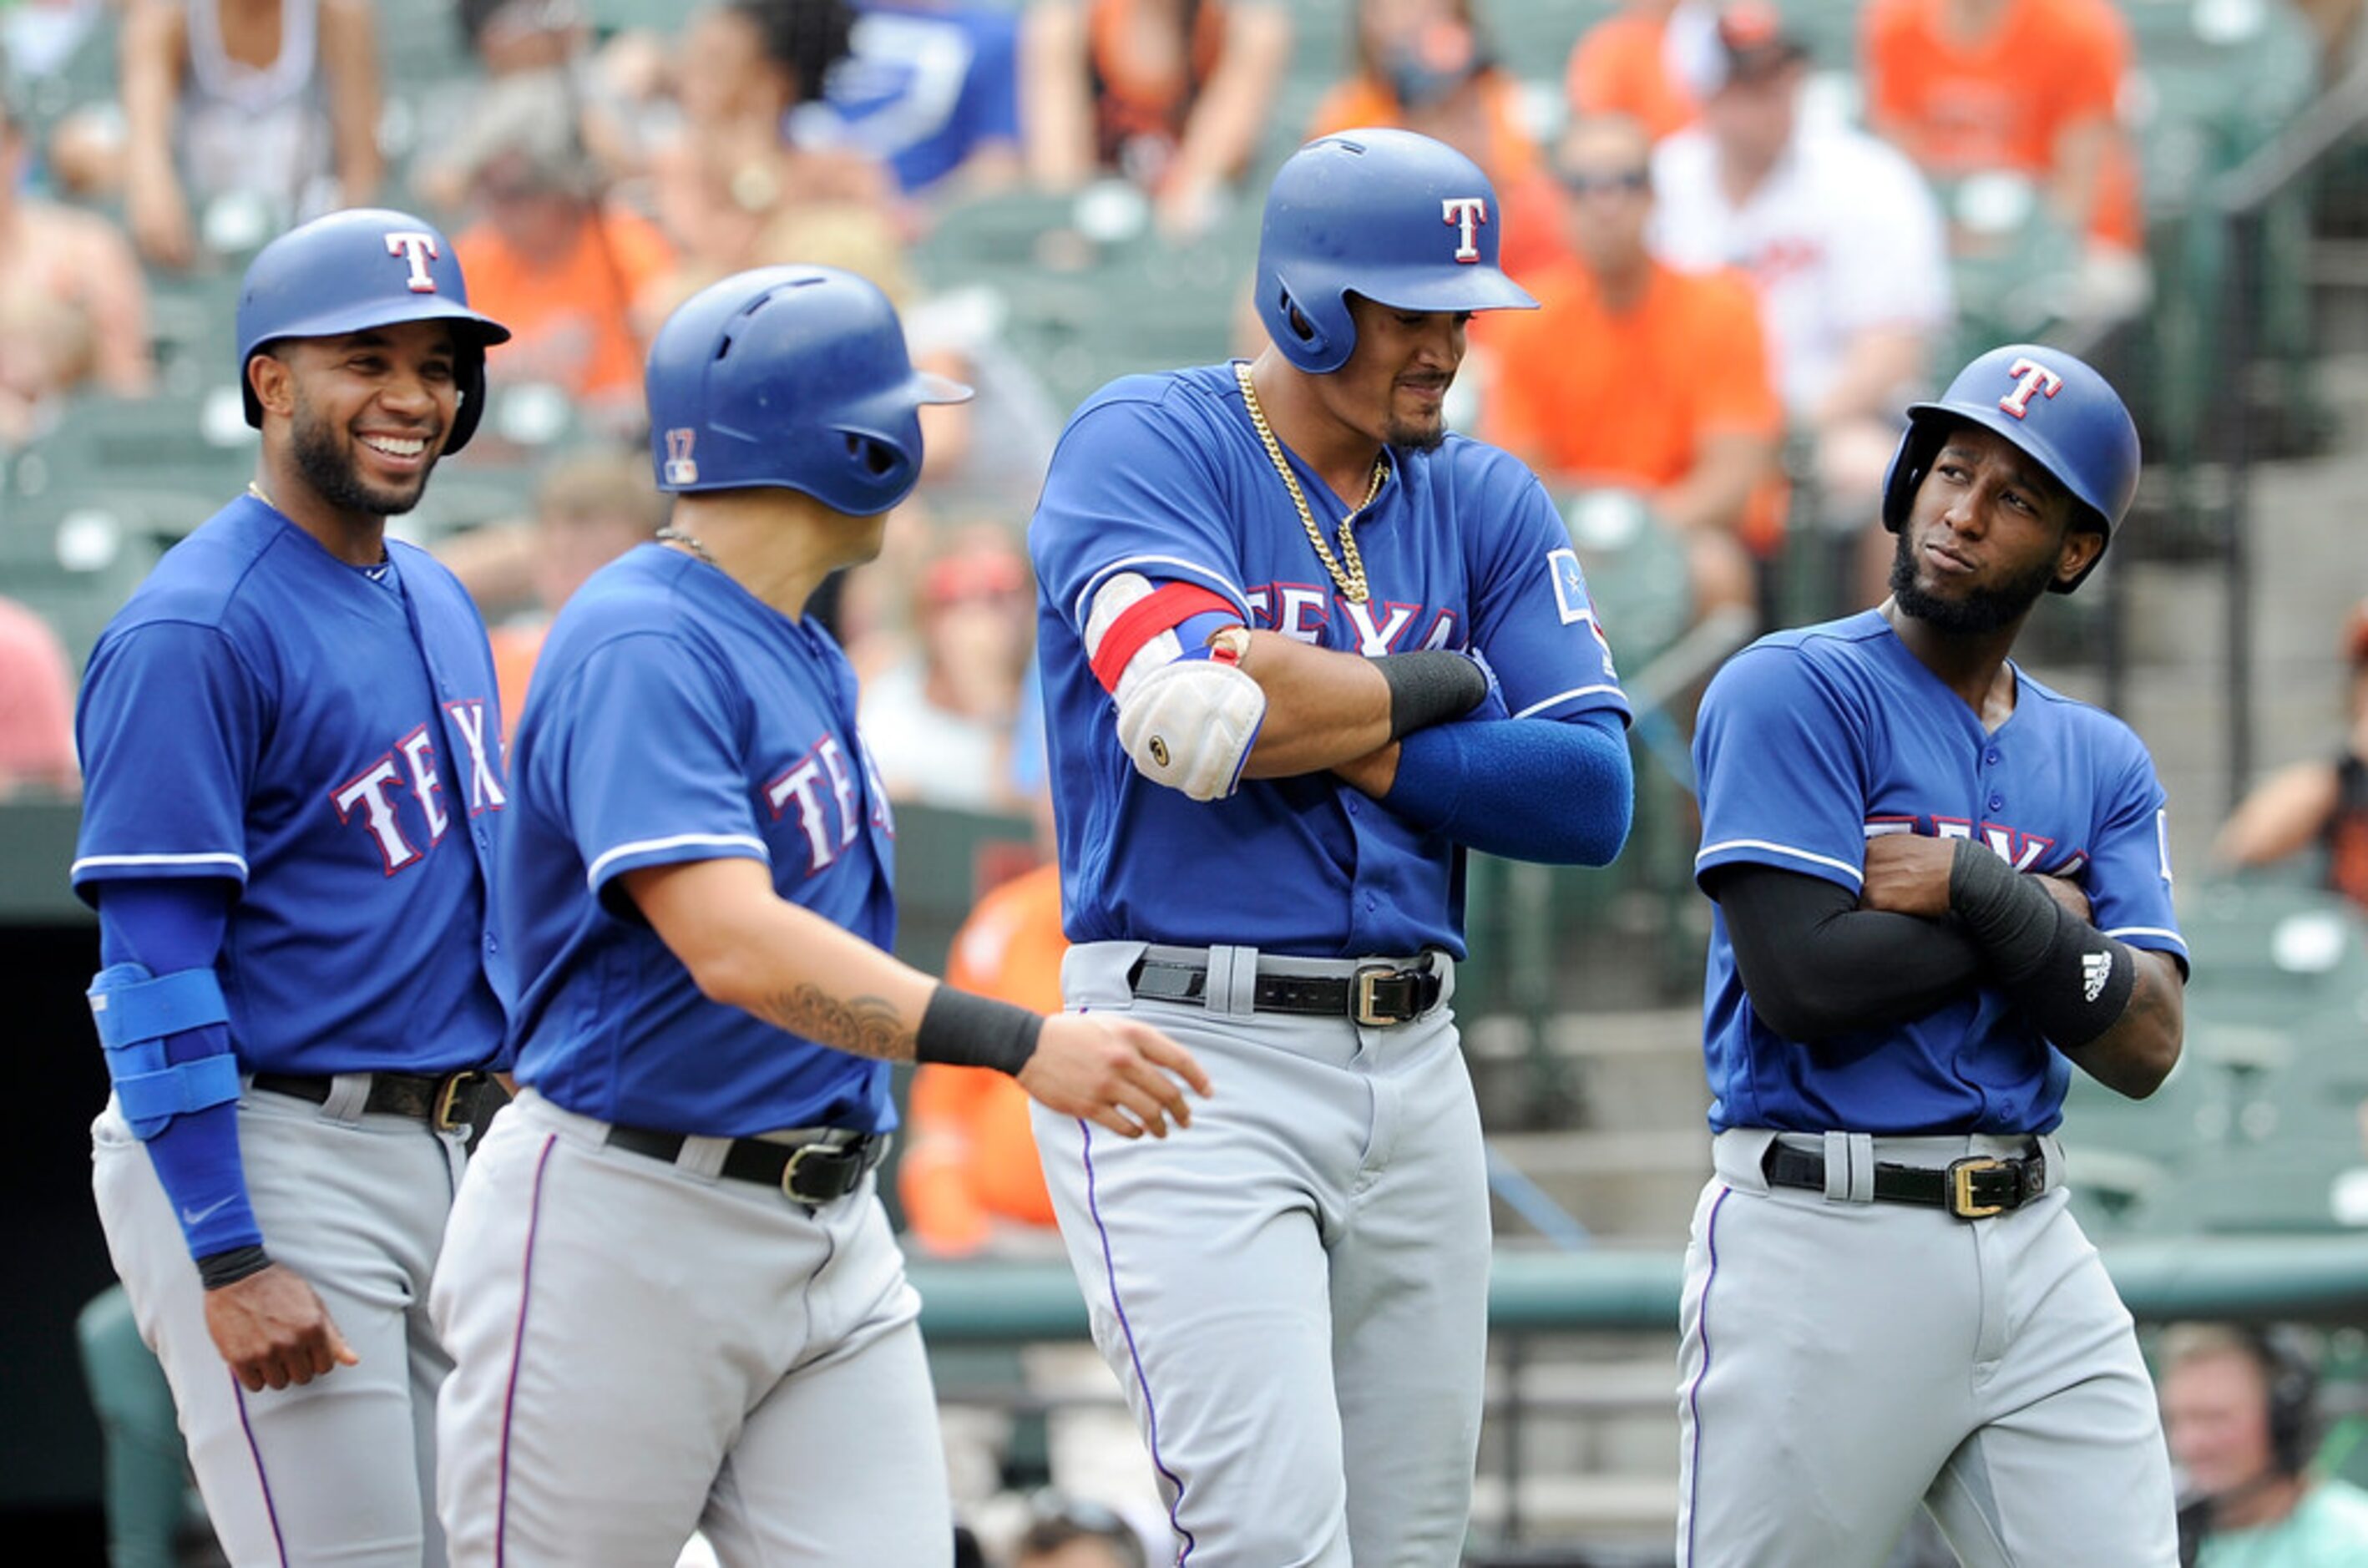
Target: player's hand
x=1908, y=873
x=1116, y=1073
x=2070, y=894
x=273, y=1331
x=1372, y=773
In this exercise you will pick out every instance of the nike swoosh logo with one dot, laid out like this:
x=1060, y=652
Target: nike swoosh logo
x=200, y=1216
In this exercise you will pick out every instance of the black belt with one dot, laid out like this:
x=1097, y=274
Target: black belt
x=1973, y=1189
x=824, y=1168
x=447, y=1103
x=1374, y=996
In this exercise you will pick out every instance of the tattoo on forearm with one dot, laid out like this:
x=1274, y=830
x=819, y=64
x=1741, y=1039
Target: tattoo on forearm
x=868, y=1026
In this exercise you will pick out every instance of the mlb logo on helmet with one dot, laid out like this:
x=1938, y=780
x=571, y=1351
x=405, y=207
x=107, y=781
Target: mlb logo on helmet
x=2030, y=376
x=680, y=467
x=417, y=249
x=1464, y=214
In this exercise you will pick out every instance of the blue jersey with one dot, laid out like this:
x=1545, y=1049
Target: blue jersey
x=922, y=86
x=262, y=713
x=1811, y=742
x=675, y=718
x=1165, y=476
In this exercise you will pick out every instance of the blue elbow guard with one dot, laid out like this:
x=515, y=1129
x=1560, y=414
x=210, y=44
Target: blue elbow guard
x=136, y=1012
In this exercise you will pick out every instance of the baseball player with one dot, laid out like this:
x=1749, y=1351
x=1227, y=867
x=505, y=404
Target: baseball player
x=1941, y=887
x=295, y=788
x=1267, y=589
x=669, y=1289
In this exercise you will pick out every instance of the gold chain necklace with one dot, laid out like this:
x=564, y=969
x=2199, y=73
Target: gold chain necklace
x=1351, y=578
x=256, y=491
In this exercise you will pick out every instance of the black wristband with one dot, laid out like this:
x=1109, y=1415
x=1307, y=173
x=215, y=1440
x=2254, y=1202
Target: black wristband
x=1429, y=686
x=2068, y=978
x=218, y=1270
x=975, y=1031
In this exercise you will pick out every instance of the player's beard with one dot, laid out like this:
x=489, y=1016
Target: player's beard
x=333, y=469
x=1981, y=610
x=1410, y=436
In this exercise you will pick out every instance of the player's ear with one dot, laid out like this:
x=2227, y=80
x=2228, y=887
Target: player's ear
x=2082, y=545
x=273, y=382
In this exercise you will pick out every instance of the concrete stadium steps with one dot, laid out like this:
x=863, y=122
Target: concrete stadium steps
x=1635, y=1156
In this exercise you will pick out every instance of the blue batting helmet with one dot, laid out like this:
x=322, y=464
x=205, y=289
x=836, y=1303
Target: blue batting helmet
x=1405, y=221
x=795, y=378
x=364, y=268
x=2055, y=408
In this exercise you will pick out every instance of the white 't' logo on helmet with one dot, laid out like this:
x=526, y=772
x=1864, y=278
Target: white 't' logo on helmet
x=417, y=249
x=1464, y=214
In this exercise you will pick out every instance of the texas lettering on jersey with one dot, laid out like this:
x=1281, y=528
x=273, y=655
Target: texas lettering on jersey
x=821, y=786
x=1302, y=610
x=368, y=799
x=2023, y=851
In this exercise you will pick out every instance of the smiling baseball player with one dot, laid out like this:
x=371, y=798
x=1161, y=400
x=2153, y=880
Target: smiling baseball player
x=669, y=1288
x=1887, y=1299
x=1265, y=589
x=294, y=794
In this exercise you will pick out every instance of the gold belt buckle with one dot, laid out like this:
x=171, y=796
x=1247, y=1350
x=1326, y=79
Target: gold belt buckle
x=447, y=1097
x=797, y=1158
x=1368, y=979
x=1961, y=1188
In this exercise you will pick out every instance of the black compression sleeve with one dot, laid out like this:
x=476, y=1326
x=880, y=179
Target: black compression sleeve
x=1429, y=686
x=1814, y=964
x=2068, y=978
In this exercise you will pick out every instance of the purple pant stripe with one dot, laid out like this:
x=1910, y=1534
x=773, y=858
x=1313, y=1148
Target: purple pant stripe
x=1693, y=1390
x=270, y=1509
x=1134, y=1355
x=517, y=1354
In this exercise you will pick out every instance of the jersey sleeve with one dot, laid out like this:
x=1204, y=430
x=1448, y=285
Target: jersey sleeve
x=2128, y=880
x=1532, y=618
x=1127, y=493
x=1779, y=770
x=170, y=722
x=649, y=765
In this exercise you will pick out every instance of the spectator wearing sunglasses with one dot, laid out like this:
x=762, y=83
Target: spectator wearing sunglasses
x=1634, y=375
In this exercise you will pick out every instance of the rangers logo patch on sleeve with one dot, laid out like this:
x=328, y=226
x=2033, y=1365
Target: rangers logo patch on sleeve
x=1570, y=585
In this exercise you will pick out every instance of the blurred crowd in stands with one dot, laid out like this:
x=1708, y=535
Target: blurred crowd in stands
x=1745, y=232
x=1743, y=223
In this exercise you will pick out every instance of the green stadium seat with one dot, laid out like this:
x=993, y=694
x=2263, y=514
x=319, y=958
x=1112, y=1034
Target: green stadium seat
x=2259, y=1117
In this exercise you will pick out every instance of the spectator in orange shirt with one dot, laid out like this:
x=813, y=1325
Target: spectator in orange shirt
x=569, y=267
x=1966, y=87
x=1171, y=94
x=1425, y=65
x=1643, y=61
x=1634, y=375
x=970, y=1176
